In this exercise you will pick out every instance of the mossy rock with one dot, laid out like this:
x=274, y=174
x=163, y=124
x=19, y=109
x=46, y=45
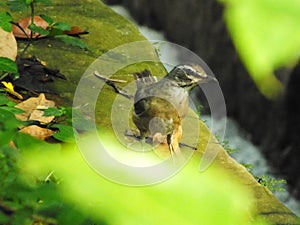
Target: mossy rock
x=224, y=194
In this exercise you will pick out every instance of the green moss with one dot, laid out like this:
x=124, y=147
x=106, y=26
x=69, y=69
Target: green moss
x=107, y=30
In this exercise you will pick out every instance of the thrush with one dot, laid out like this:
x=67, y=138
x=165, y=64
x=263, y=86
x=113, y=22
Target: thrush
x=160, y=106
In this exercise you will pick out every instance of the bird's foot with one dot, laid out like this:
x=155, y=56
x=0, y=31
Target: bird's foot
x=188, y=146
x=138, y=143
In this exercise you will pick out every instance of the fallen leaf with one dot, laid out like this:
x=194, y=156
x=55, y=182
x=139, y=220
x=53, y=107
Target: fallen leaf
x=75, y=31
x=37, y=132
x=33, y=109
x=8, y=45
x=25, y=23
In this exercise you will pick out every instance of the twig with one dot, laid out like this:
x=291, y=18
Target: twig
x=21, y=28
x=96, y=73
x=111, y=82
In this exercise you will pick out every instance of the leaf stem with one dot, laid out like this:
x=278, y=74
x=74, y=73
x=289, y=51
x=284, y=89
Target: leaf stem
x=32, y=17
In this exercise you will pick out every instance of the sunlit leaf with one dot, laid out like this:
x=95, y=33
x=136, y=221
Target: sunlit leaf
x=170, y=202
x=8, y=85
x=10, y=89
x=266, y=36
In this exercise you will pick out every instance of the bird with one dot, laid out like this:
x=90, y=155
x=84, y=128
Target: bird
x=160, y=106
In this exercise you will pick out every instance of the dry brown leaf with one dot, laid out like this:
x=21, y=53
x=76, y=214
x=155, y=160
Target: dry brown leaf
x=8, y=45
x=37, y=132
x=32, y=108
x=25, y=22
x=75, y=31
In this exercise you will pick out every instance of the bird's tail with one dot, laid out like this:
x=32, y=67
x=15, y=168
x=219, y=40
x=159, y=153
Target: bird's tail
x=144, y=78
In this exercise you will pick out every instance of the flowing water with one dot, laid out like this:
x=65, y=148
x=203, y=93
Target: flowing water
x=247, y=153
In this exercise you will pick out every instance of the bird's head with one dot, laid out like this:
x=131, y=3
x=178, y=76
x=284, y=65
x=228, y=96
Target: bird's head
x=189, y=75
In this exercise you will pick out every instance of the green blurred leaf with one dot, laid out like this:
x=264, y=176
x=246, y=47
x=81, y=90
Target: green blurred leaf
x=22, y=217
x=72, y=41
x=5, y=19
x=45, y=2
x=3, y=100
x=266, y=35
x=17, y=5
x=48, y=19
x=3, y=218
x=52, y=111
x=65, y=134
x=38, y=29
x=8, y=120
x=170, y=202
x=13, y=110
x=6, y=136
x=62, y=26
x=8, y=65
x=11, y=104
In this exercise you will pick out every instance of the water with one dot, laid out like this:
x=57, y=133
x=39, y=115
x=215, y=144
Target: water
x=248, y=153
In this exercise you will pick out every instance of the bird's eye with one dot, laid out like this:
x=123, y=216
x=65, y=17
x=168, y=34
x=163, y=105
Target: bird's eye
x=189, y=71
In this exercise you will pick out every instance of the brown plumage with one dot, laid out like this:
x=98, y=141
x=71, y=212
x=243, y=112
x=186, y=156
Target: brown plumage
x=160, y=106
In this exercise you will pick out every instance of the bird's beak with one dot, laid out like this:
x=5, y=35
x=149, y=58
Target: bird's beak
x=209, y=79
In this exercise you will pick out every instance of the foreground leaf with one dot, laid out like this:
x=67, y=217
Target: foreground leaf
x=8, y=65
x=266, y=36
x=65, y=134
x=5, y=19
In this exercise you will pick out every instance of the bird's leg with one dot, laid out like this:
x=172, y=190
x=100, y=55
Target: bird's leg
x=188, y=146
x=138, y=136
x=132, y=133
x=169, y=142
